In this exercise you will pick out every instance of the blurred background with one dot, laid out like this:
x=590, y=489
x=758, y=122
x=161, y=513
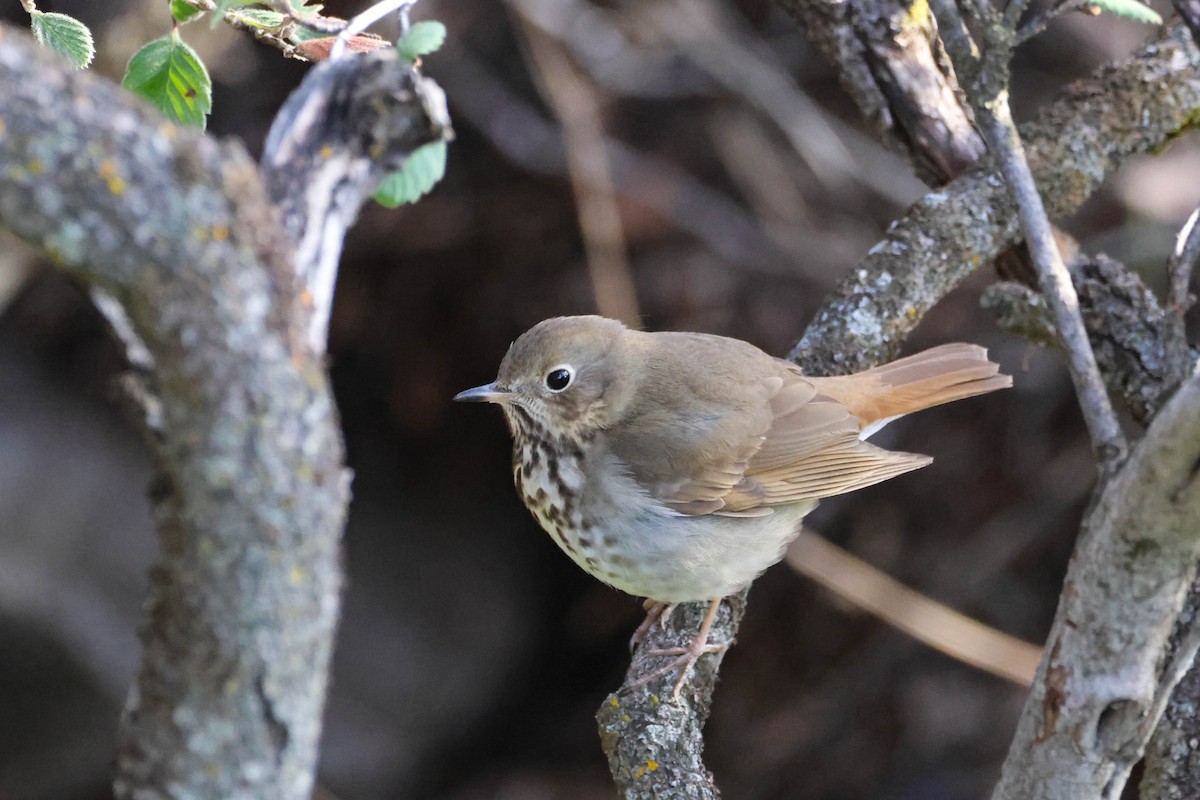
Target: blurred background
x=472, y=653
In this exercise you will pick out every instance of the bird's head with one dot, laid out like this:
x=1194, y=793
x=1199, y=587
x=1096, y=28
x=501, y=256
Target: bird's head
x=566, y=375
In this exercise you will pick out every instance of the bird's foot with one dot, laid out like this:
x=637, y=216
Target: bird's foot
x=655, y=612
x=685, y=657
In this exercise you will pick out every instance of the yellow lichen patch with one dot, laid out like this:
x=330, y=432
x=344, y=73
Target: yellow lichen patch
x=651, y=765
x=35, y=167
x=326, y=152
x=615, y=703
x=108, y=172
x=200, y=233
x=296, y=575
x=232, y=686
x=639, y=772
x=220, y=233
x=917, y=14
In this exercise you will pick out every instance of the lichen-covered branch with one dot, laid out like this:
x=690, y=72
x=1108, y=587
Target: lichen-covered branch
x=1125, y=322
x=1133, y=107
x=1089, y=714
x=889, y=59
x=251, y=493
x=654, y=744
x=356, y=120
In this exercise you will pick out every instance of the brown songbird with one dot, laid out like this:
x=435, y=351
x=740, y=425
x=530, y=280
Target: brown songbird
x=678, y=466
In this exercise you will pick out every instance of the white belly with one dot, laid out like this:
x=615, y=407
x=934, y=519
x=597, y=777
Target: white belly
x=616, y=532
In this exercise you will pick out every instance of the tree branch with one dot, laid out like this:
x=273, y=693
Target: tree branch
x=1134, y=107
x=890, y=61
x=251, y=494
x=1088, y=716
x=1127, y=327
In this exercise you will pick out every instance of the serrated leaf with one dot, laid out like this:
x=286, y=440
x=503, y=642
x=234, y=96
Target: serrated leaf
x=260, y=18
x=1130, y=9
x=169, y=74
x=184, y=12
x=224, y=6
x=64, y=35
x=425, y=167
x=426, y=37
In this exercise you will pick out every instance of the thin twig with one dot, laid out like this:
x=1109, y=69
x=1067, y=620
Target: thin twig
x=926, y=620
x=1107, y=438
x=1039, y=22
x=360, y=22
x=1189, y=12
x=989, y=97
x=1179, y=270
x=591, y=172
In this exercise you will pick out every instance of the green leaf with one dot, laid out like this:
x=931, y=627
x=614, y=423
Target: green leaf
x=65, y=35
x=426, y=37
x=224, y=6
x=1130, y=9
x=425, y=167
x=259, y=18
x=184, y=12
x=303, y=34
x=169, y=74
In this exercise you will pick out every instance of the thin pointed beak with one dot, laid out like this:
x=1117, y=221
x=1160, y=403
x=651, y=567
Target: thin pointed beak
x=488, y=393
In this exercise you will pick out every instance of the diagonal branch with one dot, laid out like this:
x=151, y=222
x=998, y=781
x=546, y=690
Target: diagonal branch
x=1133, y=107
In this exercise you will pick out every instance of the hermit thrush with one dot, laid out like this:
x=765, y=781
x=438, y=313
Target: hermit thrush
x=678, y=466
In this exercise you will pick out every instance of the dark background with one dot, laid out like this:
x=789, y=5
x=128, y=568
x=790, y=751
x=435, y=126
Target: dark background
x=472, y=654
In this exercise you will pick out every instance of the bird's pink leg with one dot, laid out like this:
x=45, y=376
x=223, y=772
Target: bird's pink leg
x=686, y=657
x=656, y=611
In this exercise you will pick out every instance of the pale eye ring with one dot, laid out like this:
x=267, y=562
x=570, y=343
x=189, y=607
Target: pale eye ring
x=560, y=377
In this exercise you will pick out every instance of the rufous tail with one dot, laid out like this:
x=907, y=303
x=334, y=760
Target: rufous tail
x=938, y=375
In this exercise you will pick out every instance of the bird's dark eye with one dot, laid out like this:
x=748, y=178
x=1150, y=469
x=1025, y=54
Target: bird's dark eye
x=560, y=377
